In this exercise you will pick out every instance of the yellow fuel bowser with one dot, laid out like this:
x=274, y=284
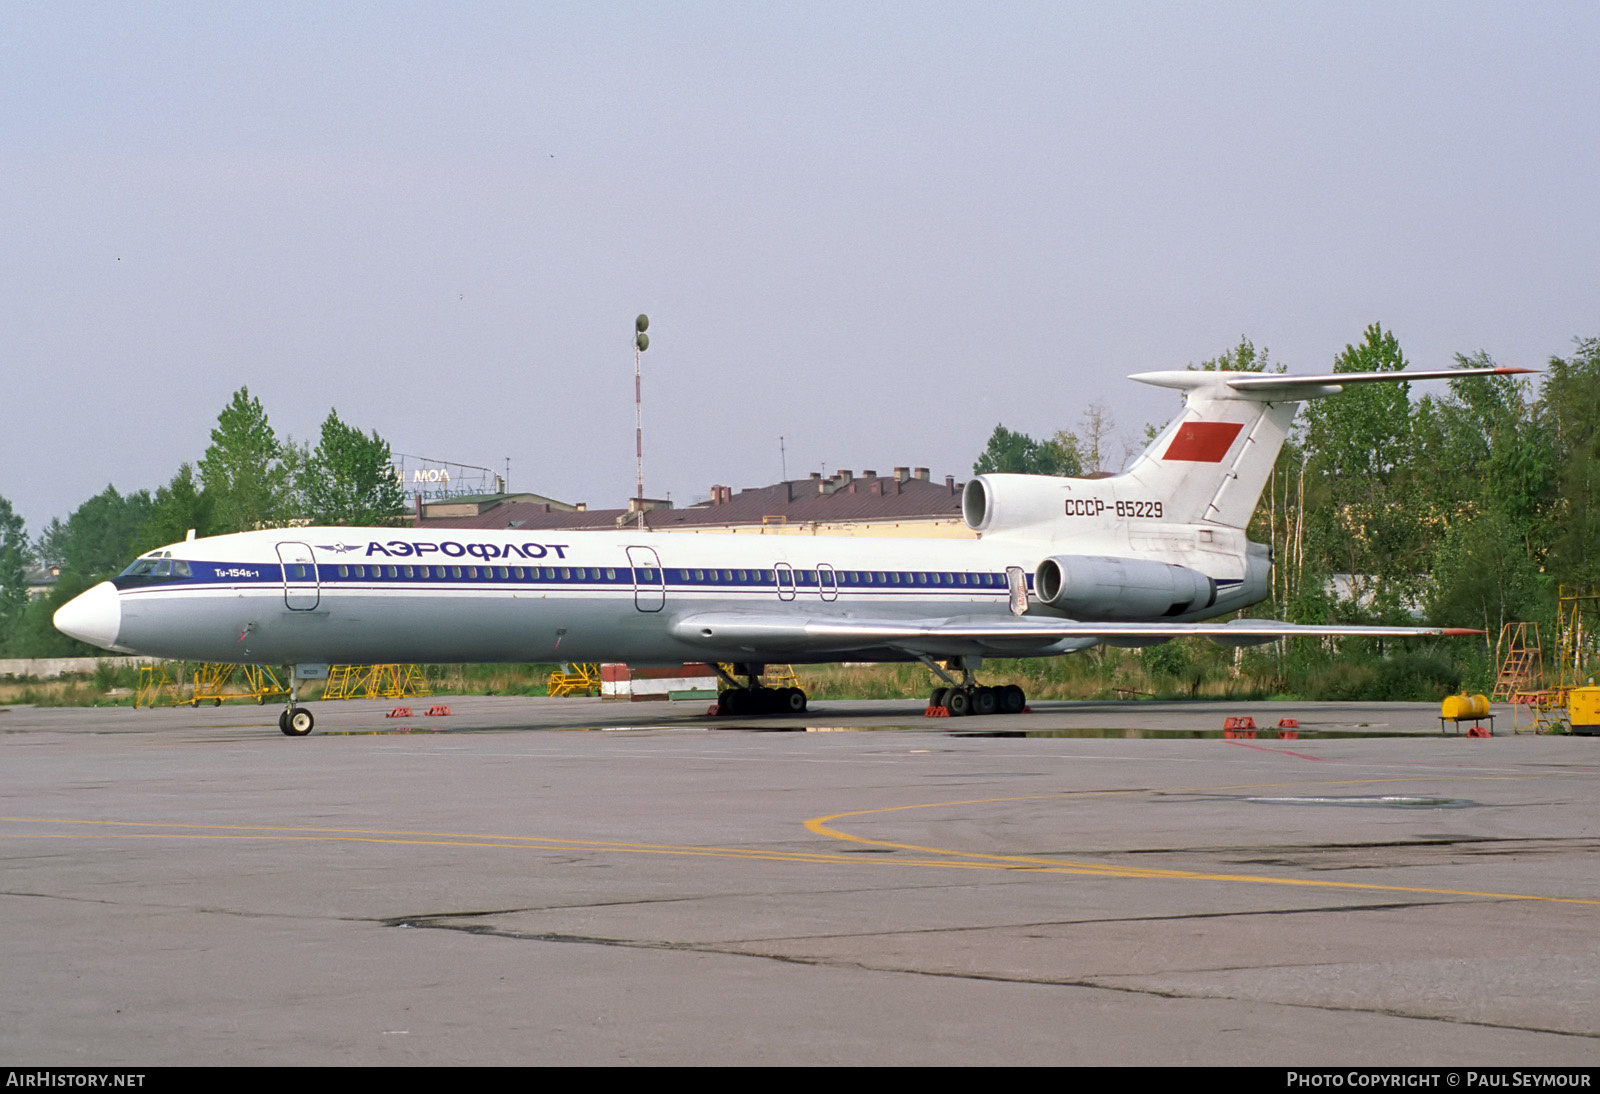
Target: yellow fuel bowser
x=1583, y=708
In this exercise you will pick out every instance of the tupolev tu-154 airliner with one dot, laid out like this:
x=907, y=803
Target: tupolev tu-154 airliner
x=1059, y=565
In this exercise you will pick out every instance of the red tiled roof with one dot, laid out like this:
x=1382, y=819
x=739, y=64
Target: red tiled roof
x=799, y=501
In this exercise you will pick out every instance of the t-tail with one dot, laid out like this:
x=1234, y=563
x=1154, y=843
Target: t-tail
x=1207, y=467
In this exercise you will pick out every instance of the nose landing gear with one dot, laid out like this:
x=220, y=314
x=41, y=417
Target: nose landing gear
x=295, y=721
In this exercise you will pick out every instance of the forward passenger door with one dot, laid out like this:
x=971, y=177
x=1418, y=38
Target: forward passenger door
x=649, y=581
x=301, y=591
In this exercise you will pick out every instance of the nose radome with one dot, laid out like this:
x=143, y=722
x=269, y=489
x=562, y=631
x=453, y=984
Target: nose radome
x=94, y=616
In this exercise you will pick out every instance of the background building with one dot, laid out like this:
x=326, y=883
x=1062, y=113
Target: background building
x=906, y=503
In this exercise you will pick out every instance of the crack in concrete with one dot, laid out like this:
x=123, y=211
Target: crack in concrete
x=999, y=978
x=1534, y=842
x=440, y=920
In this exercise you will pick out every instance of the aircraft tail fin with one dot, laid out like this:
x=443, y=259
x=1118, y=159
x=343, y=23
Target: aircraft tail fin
x=1212, y=462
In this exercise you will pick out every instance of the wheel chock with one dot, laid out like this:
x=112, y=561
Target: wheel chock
x=437, y=712
x=1479, y=731
x=400, y=712
x=936, y=712
x=1241, y=722
x=1288, y=723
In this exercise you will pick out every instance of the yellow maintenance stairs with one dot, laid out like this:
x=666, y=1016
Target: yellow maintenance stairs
x=574, y=679
x=180, y=683
x=1540, y=705
x=208, y=682
x=376, y=682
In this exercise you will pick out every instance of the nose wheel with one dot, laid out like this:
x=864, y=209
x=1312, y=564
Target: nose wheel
x=296, y=722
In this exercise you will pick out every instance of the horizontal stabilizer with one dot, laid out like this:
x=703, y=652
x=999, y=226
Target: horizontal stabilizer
x=1261, y=385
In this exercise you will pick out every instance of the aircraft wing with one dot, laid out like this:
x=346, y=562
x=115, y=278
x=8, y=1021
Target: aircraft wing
x=790, y=633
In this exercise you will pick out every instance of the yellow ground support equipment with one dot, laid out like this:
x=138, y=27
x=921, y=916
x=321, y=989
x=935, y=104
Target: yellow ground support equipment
x=1542, y=711
x=575, y=680
x=376, y=682
x=211, y=680
x=155, y=685
x=1563, y=707
x=208, y=682
x=1519, y=661
x=1577, y=637
x=774, y=676
x=782, y=676
x=1466, y=708
x=1583, y=711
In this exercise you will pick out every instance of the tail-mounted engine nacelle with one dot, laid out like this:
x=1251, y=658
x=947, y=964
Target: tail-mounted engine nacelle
x=1096, y=588
x=996, y=503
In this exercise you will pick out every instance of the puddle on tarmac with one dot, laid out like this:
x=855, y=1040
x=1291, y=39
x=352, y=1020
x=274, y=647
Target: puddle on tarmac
x=1271, y=736
x=1265, y=736
x=1123, y=733
x=1379, y=801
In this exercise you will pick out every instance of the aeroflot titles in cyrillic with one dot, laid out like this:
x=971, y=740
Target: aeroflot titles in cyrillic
x=400, y=549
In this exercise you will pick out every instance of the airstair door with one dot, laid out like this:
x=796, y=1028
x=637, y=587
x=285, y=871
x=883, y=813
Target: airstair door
x=301, y=593
x=649, y=581
x=1017, y=585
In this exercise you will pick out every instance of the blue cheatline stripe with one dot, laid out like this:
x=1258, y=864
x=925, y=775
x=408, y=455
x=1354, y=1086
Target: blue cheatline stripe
x=336, y=575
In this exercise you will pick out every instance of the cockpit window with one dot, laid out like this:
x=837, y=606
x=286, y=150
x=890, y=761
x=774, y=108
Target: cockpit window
x=155, y=567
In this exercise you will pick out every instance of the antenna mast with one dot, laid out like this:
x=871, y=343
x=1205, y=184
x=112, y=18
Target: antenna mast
x=641, y=342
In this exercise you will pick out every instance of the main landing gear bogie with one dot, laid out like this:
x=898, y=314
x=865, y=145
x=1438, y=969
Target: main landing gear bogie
x=761, y=700
x=958, y=702
x=970, y=697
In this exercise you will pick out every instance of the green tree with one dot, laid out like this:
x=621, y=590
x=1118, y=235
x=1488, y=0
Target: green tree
x=350, y=478
x=1360, y=498
x=103, y=534
x=1241, y=358
x=1567, y=413
x=1009, y=452
x=51, y=546
x=244, y=470
x=177, y=507
x=95, y=542
x=1484, y=482
x=14, y=555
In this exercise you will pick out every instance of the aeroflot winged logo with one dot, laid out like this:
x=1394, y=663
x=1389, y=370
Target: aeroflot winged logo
x=1202, y=442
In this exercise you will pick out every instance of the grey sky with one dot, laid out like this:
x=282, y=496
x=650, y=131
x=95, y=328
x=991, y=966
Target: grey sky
x=875, y=229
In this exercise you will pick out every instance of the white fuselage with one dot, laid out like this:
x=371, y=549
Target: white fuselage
x=354, y=595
